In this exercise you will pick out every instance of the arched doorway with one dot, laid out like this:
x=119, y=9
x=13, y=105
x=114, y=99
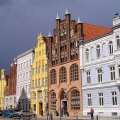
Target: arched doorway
x=63, y=103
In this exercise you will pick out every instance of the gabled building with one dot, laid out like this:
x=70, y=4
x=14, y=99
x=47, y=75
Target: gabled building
x=65, y=85
x=39, y=82
x=3, y=78
x=100, y=72
x=24, y=75
x=10, y=92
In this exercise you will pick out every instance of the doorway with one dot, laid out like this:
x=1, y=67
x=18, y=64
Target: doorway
x=41, y=108
x=64, y=107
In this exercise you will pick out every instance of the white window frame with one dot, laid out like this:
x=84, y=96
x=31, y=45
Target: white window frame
x=88, y=76
x=112, y=73
x=110, y=47
x=89, y=99
x=87, y=55
x=98, y=52
x=101, y=99
x=114, y=98
x=100, y=75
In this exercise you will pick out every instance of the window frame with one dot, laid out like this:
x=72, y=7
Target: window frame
x=98, y=52
x=101, y=98
x=110, y=47
x=112, y=73
x=75, y=99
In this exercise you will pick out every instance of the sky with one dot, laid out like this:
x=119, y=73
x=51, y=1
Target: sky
x=22, y=20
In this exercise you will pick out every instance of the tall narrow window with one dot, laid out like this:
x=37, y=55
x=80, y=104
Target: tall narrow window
x=118, y=42
x=101, y=100
x=53, y=101
x=119, y=70
x=98, y=51
x=88, y=77
x=63, y=75
x=110, y=47
x=112, y=72
x=53, y=76
x=74, y=72
x=75, y=100
x=87, y=55
x=99, y=75
x=114, y=98
x=89, y=99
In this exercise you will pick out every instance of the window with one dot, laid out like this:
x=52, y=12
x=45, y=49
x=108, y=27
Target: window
x=92, y=53
x=74, y=72
x=53, y=76
x=118, y=42
x=75, y=100
x=112, y=72
x=114, y=98
x=63, y=74
x=98, y=51
x=88, y=77
x=99, y=71
x=87, y=55
x=101, y=101
x=114, y=113
x=119, y=70
x=89, y=100
x=110, y=47
x=53, y=101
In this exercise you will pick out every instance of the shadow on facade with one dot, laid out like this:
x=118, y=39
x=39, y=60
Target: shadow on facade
x=23, y=102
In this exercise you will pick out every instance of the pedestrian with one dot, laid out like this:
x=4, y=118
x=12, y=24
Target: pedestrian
x=92, y=113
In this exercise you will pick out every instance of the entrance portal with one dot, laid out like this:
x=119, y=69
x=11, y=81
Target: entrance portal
x=64, y=107
x=64, y=103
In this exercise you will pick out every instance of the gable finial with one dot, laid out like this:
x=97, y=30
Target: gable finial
x=49, y=34
x=78, y=20
x=57, y=16
x=67, y=11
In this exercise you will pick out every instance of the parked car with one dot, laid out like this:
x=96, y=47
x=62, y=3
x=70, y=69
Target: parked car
x=7, y=113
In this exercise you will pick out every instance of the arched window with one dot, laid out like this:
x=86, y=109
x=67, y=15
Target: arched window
x=110, y=47
x=98, y=51
x=62, y=74
x=53, y=101
x=53, y=76
x=74, y=72
x=87, y=55
x=75, y=100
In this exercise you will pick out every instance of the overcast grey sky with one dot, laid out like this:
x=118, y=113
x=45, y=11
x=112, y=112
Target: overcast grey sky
x=21, y=20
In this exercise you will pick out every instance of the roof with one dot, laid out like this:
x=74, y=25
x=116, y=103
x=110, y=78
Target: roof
x=92, y=31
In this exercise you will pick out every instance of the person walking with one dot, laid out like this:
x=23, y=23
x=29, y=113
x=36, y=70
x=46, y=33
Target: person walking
x=92, y=113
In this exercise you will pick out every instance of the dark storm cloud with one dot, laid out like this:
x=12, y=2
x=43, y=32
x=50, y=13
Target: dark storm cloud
x=21, y=20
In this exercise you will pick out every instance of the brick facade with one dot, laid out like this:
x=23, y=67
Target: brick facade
x=11, y=81
x=63, y=51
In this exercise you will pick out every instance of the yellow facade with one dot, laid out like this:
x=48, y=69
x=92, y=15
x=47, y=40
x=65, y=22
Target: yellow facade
x=39, y=85
x=2, y=88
